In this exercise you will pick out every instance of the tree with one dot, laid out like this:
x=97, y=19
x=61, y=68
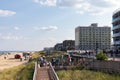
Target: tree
x=101, y=56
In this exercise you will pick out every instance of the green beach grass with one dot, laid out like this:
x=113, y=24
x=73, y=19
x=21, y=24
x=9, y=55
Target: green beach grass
x=21, y=72
x=85, y=75
x=25, y=72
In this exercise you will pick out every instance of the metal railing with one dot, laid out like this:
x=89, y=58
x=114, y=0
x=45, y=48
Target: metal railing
x=35, y=71
x=52, y=72
x=84, y=56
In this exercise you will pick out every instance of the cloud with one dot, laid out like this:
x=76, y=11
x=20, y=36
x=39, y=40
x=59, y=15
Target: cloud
x=92, y=7
x=5, y=13
x=10, y=37
x=49, y=28
x=16, y=28
x=80, y=12
x=46, y=2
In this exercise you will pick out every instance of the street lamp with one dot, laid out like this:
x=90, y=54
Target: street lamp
x=96, y=47
x=114, y=51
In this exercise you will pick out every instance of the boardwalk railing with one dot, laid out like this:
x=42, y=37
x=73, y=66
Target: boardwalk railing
x=35, y=71
x=52, y=72
x=83, y=56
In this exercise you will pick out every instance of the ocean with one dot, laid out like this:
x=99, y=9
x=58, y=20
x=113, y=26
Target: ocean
x=5, y=52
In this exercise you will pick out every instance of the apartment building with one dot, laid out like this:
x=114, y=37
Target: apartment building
x=92, y=37
x=116, y=28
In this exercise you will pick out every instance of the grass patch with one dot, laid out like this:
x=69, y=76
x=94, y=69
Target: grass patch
x=27, y=72
x=85, y=75
x=21, y=72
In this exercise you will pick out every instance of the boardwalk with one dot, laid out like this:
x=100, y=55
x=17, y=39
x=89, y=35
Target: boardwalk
x=42, y=73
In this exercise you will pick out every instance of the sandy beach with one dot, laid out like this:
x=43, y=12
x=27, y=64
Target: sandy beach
x=10, y=61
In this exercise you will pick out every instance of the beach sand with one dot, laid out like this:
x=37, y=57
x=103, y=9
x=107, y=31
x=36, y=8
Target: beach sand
x=10, y=61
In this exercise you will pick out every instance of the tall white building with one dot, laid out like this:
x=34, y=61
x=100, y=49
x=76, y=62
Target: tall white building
x=92, y=37
x=116, y=28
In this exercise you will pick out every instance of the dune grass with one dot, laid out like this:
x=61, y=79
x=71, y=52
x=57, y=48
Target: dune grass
x=85, y=75
x=21, y=72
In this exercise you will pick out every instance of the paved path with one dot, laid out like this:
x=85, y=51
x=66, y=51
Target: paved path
x=42, y=73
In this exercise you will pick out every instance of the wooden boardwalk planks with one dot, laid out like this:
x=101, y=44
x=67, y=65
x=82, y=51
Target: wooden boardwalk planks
x=42, y=73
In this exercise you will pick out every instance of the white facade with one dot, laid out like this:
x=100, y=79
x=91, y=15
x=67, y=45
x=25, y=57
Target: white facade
x=116, y=29
x=92, y=37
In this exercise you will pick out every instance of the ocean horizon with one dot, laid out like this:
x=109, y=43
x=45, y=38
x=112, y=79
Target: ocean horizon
x=4, y=52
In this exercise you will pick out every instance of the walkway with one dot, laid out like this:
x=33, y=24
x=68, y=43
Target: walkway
x=42, y=73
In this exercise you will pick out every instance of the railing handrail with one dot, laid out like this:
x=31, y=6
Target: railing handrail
x=84, y=56
x=54, y=75
x=35, y=71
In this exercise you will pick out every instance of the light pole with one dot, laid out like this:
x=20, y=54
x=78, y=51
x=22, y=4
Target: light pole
x=114, y=51
x=96, y=47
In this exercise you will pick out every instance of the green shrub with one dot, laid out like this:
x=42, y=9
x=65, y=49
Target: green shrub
x=101, y=56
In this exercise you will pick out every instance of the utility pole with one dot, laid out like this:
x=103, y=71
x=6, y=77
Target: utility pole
x=96, y=47
x=114, y=51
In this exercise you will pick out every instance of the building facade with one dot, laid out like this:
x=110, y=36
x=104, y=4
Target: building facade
x=116, y=29
x=58, y=47
x=69, y=44
x=48, y=50
x=92, y=37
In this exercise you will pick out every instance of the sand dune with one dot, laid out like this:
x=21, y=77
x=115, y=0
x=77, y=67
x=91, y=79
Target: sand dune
x=10, y=61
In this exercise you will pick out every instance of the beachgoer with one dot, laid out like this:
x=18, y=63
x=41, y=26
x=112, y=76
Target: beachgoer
x=69, y=60
x=53, y=61
x=41, y=62
x=4, y=57
x=57, y=62
x=20, y=59
x=30, y=58
x=44, y=61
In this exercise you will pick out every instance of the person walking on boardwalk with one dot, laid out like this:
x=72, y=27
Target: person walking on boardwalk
x=44, y=61
x=41, y=61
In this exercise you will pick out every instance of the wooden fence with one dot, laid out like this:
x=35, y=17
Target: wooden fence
x=107, y=66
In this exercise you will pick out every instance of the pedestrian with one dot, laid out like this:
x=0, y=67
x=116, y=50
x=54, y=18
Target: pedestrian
x=20, y=59
x=57, y=61
x=4, y=57
x=41, y=61
x=53, y=61
x=44, y=61
x=69, y=60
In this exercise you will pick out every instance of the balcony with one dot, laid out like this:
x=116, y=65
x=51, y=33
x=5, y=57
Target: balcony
x=117, y=42
x=116, y=19
x=116, y=34
x=116, y=27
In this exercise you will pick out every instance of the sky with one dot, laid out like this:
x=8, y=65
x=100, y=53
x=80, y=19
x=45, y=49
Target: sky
x=35, y=24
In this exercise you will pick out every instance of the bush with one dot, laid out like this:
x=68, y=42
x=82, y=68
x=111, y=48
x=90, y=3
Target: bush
x=101, y=56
